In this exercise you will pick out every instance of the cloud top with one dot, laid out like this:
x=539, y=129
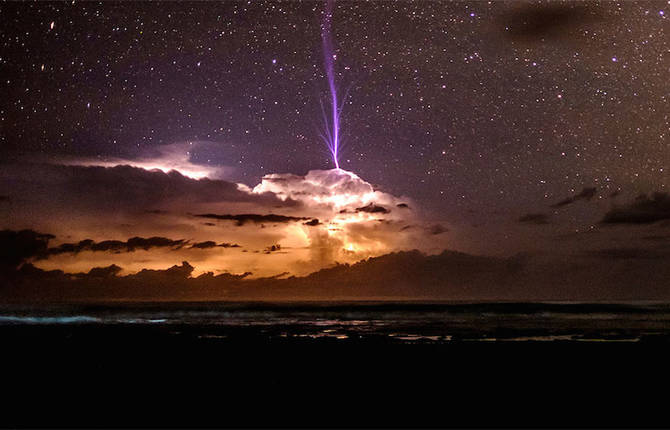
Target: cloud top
x=337, y=189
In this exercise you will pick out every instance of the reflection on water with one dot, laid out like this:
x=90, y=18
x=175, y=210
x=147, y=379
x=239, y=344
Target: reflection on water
x=408, y=323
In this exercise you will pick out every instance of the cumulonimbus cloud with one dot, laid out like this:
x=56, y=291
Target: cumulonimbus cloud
x=318, y=219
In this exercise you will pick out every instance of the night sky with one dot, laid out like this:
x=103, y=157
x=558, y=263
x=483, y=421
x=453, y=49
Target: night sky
x=512, y=126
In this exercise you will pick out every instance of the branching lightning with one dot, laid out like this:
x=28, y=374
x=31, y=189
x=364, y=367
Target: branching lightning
x=331, y=134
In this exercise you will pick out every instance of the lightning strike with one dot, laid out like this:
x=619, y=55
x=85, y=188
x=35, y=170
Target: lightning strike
x=332, y=127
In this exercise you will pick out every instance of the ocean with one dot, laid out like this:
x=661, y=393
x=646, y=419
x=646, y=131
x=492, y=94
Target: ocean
x=375, y=322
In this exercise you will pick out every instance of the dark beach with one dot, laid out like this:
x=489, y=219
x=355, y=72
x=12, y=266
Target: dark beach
x=162, y=374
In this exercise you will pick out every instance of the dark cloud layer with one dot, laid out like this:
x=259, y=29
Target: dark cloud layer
x=120, y=189
x=104, y=272
x=211, y=244
x=436, y=229
x=373, y=209
x=586, y=194
x=530, y=22
x=643, y=210
x=534, y=218
x=18, y=246
x=410, y=271
x=242, y=219
x=130, y=245
x=614, y=274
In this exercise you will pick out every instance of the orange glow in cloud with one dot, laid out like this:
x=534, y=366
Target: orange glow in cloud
x=332, y=216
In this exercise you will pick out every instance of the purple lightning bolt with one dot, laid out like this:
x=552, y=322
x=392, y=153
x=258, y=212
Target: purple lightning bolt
x=332, y=132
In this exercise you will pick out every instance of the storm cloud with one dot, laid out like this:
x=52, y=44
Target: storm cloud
x=643, y=210
x=321, y=218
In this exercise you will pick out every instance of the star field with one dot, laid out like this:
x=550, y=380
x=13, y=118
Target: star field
x=472, y=108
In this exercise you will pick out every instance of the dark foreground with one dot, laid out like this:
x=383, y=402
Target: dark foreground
x=177, y=373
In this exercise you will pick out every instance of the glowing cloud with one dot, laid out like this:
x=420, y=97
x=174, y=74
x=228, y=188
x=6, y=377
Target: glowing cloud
x=306, y=222
x=354, y=220
x=175, y=157
x=336, y=188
